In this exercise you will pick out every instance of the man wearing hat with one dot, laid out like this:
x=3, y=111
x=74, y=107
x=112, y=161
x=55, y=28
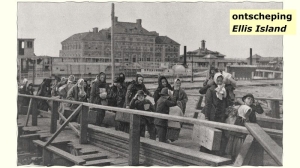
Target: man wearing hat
x=140, y=102
x=163, y=105
x=249, y=100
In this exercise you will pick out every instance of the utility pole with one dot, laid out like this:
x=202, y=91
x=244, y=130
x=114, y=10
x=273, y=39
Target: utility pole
x=112, y=42
x=192, y=67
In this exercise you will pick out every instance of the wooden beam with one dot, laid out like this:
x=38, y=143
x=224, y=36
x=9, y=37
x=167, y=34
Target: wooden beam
x=134, y=140
x=70, y=124
x=34, y=112
x=84, y=125
x=266, y=141
x=244, y=150
x=75, y=159
x=76, y=111
x=54, y=117
x=28, y=112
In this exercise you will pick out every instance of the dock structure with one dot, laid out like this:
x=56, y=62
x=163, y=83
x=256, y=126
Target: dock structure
x=89, y=145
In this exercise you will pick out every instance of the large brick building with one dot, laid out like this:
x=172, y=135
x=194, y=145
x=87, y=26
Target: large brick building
x=135, y=47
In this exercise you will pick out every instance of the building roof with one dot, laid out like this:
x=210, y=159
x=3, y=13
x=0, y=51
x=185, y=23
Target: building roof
x=76, y=37
x=165, y=40
x=210, y=56
x=255, y=56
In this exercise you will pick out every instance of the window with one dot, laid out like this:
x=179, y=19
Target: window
x=148, y=59
x=29, y=44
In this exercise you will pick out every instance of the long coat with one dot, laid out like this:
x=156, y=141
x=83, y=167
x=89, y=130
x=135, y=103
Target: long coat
x=95, y=91
x=116, y=97
x=73, y=95
x=214, y=108
x=163, y=107
x=181, y=96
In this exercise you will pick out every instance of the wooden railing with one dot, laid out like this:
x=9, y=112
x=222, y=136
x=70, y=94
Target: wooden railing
x=134, y=133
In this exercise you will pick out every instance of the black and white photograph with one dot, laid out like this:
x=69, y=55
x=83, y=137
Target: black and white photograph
x=147, y=84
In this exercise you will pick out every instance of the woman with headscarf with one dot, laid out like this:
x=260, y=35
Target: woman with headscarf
x=134, y=87
x=77, y=93
x=63, y=90
x=180, y=95
x=162, y=83
x=215, y=100
x=122, y=79
x=215, y=107
x=98, y=95
x=45, y=91
x=236, y=139
x=132, y=90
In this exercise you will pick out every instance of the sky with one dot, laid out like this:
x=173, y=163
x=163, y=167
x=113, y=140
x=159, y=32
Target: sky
x=186, y=23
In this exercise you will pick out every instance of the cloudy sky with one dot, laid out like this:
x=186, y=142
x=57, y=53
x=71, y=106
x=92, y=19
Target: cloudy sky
x=186, y=23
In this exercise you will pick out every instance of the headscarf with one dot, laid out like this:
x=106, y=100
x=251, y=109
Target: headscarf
x=71, y=79
x=243, y=110
x=177, y=79
x=122, y=79
x=160, y=84
x=81, y=89
x=221, y=91
x=136, y=78
x=102, y=73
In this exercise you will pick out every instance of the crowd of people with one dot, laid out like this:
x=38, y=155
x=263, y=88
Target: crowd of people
x=220, y=104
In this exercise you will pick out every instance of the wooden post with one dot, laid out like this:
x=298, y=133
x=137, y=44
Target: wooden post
x=28, y=112
x=54, y=116
x=134, y=140
x=274, y=106
x=34, y=112
x=47, y=156
x=198, y=106
x=84, y=125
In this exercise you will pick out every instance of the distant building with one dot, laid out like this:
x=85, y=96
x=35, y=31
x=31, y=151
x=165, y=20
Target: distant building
x=267, y=62
x=203, y=57
x=135, y=47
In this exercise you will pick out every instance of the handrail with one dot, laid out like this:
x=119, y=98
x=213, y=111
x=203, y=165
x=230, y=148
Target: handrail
x=162, y=116
x=257, y=98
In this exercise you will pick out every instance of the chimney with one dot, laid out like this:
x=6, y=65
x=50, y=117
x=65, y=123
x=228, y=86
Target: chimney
x=139, y=22
x=95, y=30
x=203, y=44
x=250, y=56
x=116, y=20
x=184, y=56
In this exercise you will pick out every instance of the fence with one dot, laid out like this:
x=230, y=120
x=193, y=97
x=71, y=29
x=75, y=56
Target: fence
x=264, y=138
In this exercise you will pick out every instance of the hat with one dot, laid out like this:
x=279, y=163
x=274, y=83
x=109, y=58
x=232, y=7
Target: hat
x=117, y=80
x=164, y=92
x=141, y=92
x=248, y=95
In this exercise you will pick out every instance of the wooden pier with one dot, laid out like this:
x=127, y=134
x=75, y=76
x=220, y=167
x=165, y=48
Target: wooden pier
x=89, y=145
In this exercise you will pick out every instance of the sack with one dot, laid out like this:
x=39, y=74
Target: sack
x=175, y=111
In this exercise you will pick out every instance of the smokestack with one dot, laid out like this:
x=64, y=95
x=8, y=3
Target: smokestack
x=250, y=56
x=139, y=22
x=203, y=44
x=184, y=56
x=95, y=30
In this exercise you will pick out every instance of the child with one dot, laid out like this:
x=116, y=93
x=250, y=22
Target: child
x=140, y=103
x=236, y=140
